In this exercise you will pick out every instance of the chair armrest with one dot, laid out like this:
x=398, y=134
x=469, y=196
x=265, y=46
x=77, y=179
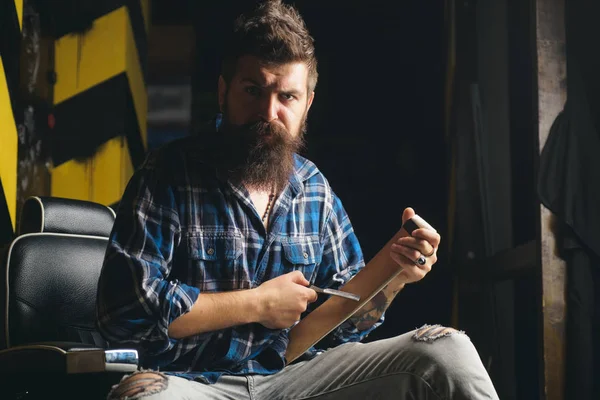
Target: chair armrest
x=68, y=358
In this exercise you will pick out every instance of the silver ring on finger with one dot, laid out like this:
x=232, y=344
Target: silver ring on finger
x=421, y=260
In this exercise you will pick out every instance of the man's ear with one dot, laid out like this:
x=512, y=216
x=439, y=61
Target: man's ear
x=310, y=100
x=222, y=91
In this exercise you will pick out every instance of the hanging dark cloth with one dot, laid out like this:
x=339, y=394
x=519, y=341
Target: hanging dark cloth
x=569, y=186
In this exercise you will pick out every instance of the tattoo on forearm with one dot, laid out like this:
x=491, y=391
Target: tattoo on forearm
x=370, y=313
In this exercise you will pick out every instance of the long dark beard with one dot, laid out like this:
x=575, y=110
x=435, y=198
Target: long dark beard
x=259, y=154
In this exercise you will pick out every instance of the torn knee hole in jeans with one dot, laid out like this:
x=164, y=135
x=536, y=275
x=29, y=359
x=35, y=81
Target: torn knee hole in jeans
x=138, y=385
x=428, y=333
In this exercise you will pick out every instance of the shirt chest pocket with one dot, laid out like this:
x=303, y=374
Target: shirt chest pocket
x=215, y=259
x=303, y=254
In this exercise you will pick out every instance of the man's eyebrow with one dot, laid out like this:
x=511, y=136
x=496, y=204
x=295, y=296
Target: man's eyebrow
x=291, y=91
x=252, y=81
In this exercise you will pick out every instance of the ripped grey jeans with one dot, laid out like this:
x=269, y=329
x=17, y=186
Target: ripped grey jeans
x=431, y=362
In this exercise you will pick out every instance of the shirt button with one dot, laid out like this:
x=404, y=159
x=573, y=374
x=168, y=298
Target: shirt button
x=305, y=255
x=210, y=251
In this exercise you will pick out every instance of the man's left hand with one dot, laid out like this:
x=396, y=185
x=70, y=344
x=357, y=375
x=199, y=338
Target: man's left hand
x=407, y=250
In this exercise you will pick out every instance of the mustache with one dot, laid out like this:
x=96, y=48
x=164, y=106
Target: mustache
x=259, y=129
x=260, y=136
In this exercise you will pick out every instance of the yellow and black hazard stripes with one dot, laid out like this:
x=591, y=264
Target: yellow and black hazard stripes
x=11, y=19
x=100, y=105
x=8, y=161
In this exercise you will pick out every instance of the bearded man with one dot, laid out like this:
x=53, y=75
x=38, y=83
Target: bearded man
x=219, y=236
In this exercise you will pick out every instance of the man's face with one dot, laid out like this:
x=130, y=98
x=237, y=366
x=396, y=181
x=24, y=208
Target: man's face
x=264, y=110
x=275, y=94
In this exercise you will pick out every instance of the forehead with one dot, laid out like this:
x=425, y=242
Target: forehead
x=292, y=75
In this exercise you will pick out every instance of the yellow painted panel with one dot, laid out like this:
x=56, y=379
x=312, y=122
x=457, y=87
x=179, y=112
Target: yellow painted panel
x=84, y=60
x=145, y=7
x=107, y=170
x=8, y=147
x=136, y=83
x=19, y=8
x=111, y=171
x=72, y=180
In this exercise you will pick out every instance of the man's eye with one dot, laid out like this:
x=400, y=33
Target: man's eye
x=287, y=96
x=253, y=90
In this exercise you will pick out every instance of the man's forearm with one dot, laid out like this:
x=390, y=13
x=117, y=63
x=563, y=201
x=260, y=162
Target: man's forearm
x=215, y=311
x=371, y=312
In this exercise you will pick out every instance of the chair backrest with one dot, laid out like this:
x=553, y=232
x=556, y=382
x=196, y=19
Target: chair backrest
x=52, y=275
x=58, y=215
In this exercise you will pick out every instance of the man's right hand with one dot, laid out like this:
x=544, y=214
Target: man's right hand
x=282, y=300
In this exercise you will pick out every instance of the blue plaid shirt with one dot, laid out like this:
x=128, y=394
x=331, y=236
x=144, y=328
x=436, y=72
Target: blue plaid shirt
x=181, y=230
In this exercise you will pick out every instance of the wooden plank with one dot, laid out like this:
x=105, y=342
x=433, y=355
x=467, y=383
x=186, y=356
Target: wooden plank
x=507, y=264
x=550, y=45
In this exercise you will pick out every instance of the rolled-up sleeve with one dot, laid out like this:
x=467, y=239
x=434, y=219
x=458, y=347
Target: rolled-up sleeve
x=136, y=300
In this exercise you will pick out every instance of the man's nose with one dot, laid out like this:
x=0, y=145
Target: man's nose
x=268, y=108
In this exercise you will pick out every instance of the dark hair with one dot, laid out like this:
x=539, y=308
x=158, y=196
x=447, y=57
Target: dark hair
x=276, y=34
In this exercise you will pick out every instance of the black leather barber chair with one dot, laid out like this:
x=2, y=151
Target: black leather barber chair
x=49, y=344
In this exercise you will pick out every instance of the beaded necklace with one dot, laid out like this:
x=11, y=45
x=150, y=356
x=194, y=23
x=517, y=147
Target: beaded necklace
x=271, y=197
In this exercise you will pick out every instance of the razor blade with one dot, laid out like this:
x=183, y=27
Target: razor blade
x=334, y=292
